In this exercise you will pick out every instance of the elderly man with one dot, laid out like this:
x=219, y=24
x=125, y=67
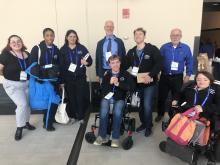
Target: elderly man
x=106, y=47
x=176, y=56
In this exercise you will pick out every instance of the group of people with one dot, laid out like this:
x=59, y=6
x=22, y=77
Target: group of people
x=116, y=71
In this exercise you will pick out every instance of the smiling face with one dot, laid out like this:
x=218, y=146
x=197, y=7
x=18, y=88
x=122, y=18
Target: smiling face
x=15, y=44
x=202, y=81
x=115, y=65
x=175, y=36
x=49, y=37
x=109, y=28
x=71, y=38
x=139, y=37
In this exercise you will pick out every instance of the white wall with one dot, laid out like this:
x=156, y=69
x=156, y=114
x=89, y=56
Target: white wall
x=28, y=18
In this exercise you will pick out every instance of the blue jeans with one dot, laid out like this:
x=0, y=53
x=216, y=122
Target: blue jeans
x=117, y=117
x=146, y=94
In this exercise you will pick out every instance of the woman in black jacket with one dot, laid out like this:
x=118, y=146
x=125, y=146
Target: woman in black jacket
x=48, y=61
x=73, y=62
x=116, y=83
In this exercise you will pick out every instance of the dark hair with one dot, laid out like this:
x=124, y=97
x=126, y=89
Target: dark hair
x=8, y=48
x=68, y=33
x=140, y=29
x=114, y=57
x=46, y=30
x=206, y=74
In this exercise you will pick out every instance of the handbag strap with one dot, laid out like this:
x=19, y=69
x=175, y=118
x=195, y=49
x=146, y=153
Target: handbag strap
x=63, y=95
x=39, y=54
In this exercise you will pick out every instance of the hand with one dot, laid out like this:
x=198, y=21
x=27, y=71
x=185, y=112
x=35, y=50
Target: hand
x=198, y=108
x=148, y=79
x=61, y=86
x=114, y=80
x=186, y=79
x=83, y=62
x=98, y=79
x=175, y=103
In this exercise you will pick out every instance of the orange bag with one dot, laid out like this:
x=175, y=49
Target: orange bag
x=182, y=127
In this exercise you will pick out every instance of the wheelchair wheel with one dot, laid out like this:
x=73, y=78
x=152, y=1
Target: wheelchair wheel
x=127, y=143
x=90, y=137
x=217, y=150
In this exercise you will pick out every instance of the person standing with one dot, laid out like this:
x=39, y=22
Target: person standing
x=14, y=61
x=144, y=58
x=106, y=47
x=73, y=62
x=176, y=56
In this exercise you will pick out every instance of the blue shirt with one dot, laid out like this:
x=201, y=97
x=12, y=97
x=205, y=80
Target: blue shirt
x=114, y=50
x=181, y=54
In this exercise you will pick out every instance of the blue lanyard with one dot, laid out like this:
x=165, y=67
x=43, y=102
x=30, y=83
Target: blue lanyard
x=47, y=55
x=206, y=98
x=71, y=55
x=20, y=62
x=140, y=59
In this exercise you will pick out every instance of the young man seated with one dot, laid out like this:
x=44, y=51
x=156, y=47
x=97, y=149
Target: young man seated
x=114, y=87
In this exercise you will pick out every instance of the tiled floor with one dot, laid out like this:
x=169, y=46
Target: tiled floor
x=37, y=147
x=144, y=151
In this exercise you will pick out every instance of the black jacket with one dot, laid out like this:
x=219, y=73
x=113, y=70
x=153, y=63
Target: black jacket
x=152, y=61
x=80, y=72
x=126, y=84
x=99, y=54
x=211, y=106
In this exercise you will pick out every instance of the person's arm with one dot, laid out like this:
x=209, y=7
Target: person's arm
x=33, y=55
x=127, y=61
x=87, y=62
x=97, y=59
x=158, y=62
x=189, y=65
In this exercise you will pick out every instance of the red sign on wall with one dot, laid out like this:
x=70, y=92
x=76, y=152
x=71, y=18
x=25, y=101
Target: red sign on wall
x=125, y=13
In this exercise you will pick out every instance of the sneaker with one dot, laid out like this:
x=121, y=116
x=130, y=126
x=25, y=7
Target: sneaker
x=72, y=120
x=18, y=133
x=141, y=128
x=29, y=126
x=148, y=132
x=115, y=143
x=99, y=141
x=158, y=118
x=81, y=121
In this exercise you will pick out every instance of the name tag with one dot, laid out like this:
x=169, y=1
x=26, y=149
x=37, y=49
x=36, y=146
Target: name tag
x=23, y=76
x=174, y=65
x=72, y=67
x=109, y=95
x=107, y=55
x=48, y=66
x=134, y=71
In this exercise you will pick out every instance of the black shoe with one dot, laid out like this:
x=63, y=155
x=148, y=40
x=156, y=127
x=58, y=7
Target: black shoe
x=141, y=128
x=29, y=126
x=148, y=132
x=18, y=133
x=162, y=146
x=158, y=119
x=50, y=128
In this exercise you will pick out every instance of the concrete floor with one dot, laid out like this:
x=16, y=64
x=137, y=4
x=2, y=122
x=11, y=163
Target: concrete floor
x=144, y=151
x=37, y=147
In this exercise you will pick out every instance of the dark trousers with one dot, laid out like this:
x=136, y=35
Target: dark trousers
x=51, y=115
x=76, y=95
x=168, y=83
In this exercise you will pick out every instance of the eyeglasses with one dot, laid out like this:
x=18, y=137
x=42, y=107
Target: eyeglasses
x=15, y=42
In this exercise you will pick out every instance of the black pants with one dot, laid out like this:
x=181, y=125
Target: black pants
x=168, y=83
x=51, y=115
x=76, y=92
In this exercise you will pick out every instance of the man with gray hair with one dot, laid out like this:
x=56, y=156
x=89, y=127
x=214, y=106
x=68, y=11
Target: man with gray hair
x=176, y=55
x=106, y=47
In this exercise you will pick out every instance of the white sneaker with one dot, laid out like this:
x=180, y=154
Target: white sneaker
x=115, y=143
x=99, y=141
x=81, y=121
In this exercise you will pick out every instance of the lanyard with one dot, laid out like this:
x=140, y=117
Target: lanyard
x=20, y=62
x=173, y=52
x=204, y=101
x=51, y=57
x=71, y=55
x=140, y=59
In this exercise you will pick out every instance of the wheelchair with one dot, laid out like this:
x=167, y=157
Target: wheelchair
x=127, y=125
x=211, y=150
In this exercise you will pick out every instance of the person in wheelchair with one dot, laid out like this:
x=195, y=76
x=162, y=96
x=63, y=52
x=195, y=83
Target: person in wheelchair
x=204, y=96
x=116, y=83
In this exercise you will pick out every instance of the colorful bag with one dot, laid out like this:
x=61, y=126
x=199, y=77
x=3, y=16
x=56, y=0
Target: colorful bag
x=182, y=127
